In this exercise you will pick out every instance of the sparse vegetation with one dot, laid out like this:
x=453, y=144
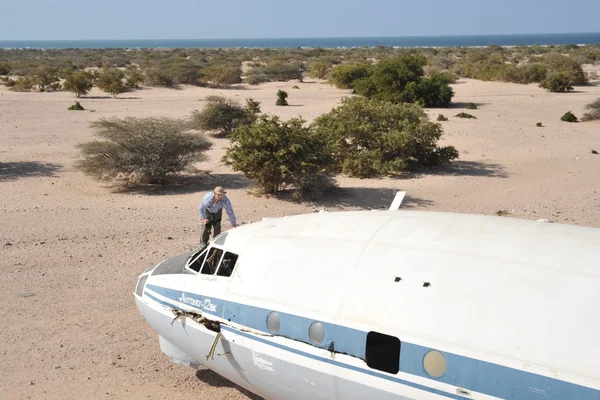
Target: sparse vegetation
x=79, y=82
x=594, y=112
x=401, y=79
x=140, y=150
x=281, y=98
x=76, y=107
x=371, y=137
x=471, y=106
x=223, y=115
x=111, y=81
x=539, y=125
x=559, y=82
x=568, y=117
x=281, y=155
x=222, y=74
x=465, y=115
x=441, y=117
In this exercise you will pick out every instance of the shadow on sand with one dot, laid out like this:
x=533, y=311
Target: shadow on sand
x=463, y=168
x=187, y=184
x=27, y=169
x=213, y=379
x=368, y=199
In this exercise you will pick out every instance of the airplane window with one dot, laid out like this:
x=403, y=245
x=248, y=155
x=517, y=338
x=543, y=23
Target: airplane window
x=197, y=260
x=212, y=261
x=383, y=352
x=227, y=265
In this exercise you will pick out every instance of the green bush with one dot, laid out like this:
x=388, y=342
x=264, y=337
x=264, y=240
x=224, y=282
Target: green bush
x=111, y=81
x=223, y=115
x=140, y=150
x=559, y=82
x=465, y=115
x=281, y=155
x=401, y=79
x=222, y=74
x=594, y=111
x=79, y=82
x=76, y=107
x=319, y=69
x=565, y=66
x=568, y=117
x=281, y=98
x=345, y=75
x=370, y=137
x=24, y=84
x=155, y=77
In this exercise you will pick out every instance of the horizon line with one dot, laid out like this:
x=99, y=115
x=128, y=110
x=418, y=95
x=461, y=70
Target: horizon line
x=309, y=37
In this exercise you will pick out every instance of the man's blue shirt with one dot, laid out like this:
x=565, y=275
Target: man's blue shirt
x=208, y=203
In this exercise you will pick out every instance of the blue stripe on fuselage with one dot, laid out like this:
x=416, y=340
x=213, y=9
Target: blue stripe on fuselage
x=464, y=372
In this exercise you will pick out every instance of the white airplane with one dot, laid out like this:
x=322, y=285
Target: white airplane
x=387, y=305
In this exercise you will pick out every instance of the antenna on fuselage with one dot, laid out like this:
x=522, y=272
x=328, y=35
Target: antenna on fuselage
x=397, y=201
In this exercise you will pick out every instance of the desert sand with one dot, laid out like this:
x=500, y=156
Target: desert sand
x=73, y=247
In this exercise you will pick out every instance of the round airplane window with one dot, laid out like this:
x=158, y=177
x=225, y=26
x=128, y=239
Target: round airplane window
x=434, y=363
x=316, y=333
x=273, y=322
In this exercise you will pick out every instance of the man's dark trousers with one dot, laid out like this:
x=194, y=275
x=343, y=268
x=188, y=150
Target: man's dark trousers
x=214, y=222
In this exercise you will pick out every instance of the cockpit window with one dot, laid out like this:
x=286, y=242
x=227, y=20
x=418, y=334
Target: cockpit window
x=196, y=260
x=227, y=265
x=212, y=261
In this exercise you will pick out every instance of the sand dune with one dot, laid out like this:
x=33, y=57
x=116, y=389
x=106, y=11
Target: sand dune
x=77, y=245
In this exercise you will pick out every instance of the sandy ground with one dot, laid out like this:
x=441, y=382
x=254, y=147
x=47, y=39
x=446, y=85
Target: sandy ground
x=72, y=247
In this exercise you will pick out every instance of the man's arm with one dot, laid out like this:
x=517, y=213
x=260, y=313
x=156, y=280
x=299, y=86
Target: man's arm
x=229, y=210
x=203, y=206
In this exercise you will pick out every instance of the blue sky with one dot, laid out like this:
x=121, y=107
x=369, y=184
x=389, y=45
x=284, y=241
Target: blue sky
x=200, y=19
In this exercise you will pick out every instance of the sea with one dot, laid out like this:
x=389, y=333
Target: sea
x=325, y=42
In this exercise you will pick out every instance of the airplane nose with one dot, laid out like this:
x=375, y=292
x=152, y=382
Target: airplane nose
x=140, y=284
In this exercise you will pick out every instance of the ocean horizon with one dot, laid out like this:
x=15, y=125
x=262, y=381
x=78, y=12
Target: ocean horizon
x=324, y=42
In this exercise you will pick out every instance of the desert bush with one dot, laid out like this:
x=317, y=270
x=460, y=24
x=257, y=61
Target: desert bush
x=539, y=125
x=140, y=150
x=256, y=76
x=281, y=98
x=79, y=82
x=111, y=81
x=223, y=115
x=345, y=75
x=76, y=107
x=558, y=82
x=252, y=110
x=155, y=77
x=465, y=115
x=441, y=117
x=282, y=72
x=23, y=84
x=133, y=76
x=568, y=117
x=471, y=106
x=594, y=111
x=565, y=66
x=319, y=69
x=46, y=79
x=281, y=155
x=369, y=137
x=222, y=74
x=401, y=79
x=4, y=68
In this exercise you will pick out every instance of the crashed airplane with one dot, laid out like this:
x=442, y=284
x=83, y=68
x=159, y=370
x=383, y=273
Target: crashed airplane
x=386, y=305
